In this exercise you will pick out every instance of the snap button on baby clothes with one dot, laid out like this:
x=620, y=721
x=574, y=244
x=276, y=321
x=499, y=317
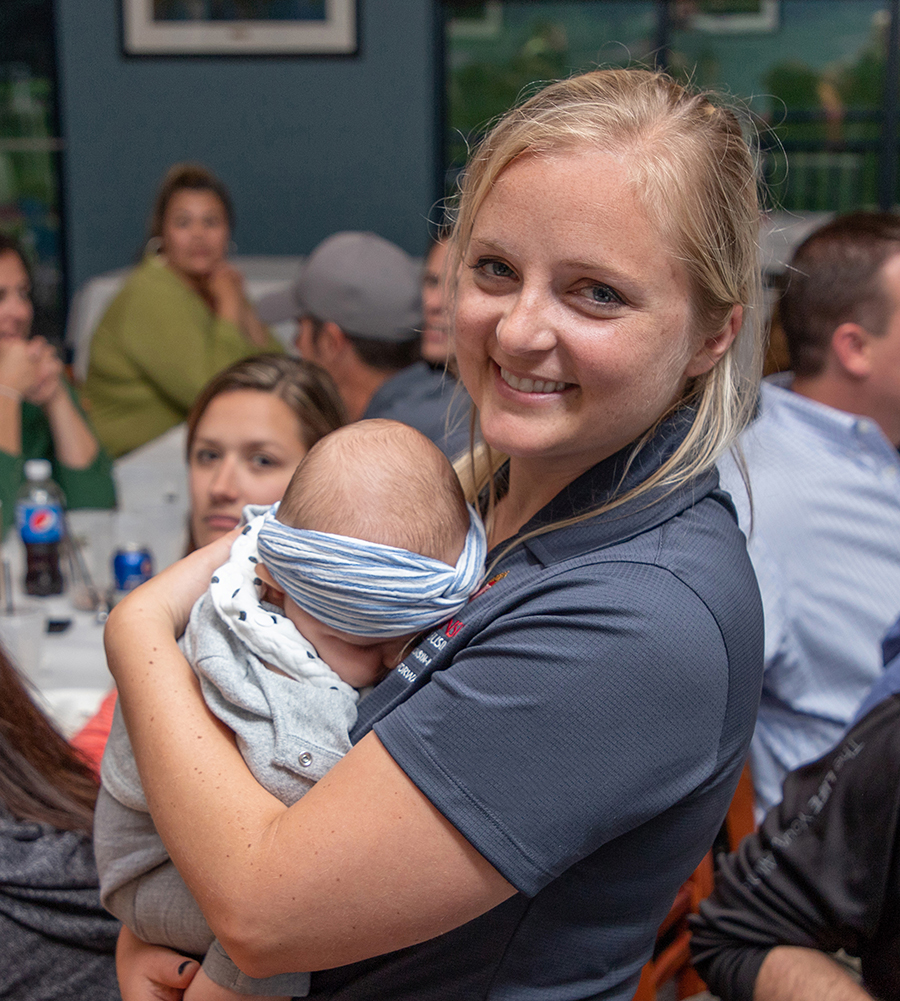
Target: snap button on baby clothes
x=305, y=759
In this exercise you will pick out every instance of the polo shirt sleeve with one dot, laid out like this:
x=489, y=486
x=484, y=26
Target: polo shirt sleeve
x=590, y=707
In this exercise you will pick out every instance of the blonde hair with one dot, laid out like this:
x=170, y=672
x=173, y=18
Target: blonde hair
x=696, y=177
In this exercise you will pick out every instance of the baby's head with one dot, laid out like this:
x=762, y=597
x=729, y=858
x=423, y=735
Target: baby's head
x=381, y=482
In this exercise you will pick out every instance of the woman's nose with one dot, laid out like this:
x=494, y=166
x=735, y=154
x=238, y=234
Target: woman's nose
x=527, y=326
x=224, y=484
x=17, y=307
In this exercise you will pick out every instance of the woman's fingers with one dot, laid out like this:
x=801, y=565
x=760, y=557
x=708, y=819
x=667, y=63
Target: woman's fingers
x=171, y=594
x=150, y=972
x=18, y=365
x=47, y=372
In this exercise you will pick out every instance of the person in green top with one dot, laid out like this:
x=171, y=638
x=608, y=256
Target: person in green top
x=39, y=414
x=181, y=317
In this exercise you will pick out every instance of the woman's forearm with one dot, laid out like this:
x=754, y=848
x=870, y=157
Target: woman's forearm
x=313, y=886
x=254, y=329
x=789, y=973
x=73, y=441
x=10, y=423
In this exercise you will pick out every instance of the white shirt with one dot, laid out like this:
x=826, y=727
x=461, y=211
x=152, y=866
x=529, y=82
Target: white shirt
x=825, y=543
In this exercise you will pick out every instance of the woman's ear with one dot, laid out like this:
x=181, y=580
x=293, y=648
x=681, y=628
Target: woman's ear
x=714, y=347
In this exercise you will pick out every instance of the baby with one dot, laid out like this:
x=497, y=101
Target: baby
x=372, y=543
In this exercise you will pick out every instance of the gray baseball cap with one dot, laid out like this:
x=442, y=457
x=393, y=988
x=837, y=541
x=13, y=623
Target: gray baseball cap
x=365, y=284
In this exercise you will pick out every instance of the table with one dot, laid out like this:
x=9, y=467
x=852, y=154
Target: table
x=151, y=482
x=71, y=677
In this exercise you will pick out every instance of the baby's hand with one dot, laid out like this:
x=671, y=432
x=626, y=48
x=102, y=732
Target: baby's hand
x=203, y=989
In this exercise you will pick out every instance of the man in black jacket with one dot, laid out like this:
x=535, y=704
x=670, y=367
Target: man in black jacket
x=821, y=874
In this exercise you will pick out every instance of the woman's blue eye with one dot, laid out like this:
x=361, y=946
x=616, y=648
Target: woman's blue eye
x=494, y=269
x=264, y=461
x=603, y=295
x=205, y=455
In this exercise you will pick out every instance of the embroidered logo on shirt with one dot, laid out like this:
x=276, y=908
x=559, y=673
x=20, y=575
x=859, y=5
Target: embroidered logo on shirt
x=490, y=583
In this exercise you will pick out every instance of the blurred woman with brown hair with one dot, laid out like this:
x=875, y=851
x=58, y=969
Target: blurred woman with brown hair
x=39, y=415
x=57, y=941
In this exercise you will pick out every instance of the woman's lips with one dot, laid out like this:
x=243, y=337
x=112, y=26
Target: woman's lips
x=221, y=522
x=527, y=385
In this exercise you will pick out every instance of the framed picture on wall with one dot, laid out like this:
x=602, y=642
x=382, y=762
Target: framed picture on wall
x=724, y=17
x=238, y=27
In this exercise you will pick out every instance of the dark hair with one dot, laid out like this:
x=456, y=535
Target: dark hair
x=187, y=177
x=834, y=278
x=386, y=356
x=42, y=778
x=11, y=244
x=306, y=388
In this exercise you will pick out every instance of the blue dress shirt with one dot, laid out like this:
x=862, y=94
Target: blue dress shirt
x=824, y=537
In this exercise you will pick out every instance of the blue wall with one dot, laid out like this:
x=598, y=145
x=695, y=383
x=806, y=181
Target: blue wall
x=307, y=145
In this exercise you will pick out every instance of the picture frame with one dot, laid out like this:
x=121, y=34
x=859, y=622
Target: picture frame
x=732, y=17
x=483, y=21
x=239, y=27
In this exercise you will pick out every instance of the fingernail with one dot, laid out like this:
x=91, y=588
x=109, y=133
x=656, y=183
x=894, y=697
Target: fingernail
x=184, y=966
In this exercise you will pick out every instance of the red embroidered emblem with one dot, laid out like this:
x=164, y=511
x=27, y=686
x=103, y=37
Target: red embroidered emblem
x=490, y=583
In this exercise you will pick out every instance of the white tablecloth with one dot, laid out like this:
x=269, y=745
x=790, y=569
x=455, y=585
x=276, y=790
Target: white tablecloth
x=71, y=676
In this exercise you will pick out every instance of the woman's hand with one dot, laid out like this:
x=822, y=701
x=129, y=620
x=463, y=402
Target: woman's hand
x=150, y=972
x=47, y=383
x=225, y=286
x=168, y=597
x=18, y=365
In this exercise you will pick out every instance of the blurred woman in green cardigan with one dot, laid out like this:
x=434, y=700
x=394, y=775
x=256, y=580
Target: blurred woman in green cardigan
x=39, y=415
x=181, y=317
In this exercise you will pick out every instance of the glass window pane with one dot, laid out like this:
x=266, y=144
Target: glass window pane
x=812, y=70
x=496, y=50
x=30, y=151
x=815, y=73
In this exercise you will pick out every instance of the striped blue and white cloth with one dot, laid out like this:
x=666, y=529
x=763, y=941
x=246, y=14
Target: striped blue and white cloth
x=367, y=589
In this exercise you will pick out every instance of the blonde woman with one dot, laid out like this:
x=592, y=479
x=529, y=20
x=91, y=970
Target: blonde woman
x=530, y=787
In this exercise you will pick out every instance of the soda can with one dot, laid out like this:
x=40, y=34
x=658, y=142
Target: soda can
x=132, y=565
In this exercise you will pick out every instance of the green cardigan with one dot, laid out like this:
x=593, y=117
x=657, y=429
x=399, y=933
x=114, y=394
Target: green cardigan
x=156, y=347
x=91, y=487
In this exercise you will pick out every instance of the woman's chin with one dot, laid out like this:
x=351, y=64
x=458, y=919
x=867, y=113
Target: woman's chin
x=194, y=271
x=209, y=531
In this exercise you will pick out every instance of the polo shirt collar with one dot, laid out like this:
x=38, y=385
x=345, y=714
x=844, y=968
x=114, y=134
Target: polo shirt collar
x=594, y=487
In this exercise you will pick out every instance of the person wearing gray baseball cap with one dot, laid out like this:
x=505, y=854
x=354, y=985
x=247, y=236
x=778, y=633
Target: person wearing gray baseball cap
x=358, y=304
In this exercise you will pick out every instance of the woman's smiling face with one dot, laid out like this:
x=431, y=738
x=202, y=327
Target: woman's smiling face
x=573, y=319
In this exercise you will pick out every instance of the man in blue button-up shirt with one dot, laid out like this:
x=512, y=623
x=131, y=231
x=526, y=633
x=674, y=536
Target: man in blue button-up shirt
x=824, y=533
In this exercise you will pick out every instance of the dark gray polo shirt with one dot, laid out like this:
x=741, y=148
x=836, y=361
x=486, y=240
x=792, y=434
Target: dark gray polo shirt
x=583, y=723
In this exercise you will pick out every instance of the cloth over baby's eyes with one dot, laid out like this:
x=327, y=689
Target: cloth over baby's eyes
x=367, y=589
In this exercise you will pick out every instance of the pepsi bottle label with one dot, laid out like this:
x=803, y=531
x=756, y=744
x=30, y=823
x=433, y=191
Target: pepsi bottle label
x=39, y=523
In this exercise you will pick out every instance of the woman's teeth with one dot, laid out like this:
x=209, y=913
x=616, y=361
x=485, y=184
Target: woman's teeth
x=531, y=385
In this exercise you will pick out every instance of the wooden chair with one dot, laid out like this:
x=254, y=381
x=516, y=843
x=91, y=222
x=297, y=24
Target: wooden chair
x=672, y=954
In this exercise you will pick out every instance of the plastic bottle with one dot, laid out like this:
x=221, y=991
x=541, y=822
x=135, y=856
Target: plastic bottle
x=40, y=508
